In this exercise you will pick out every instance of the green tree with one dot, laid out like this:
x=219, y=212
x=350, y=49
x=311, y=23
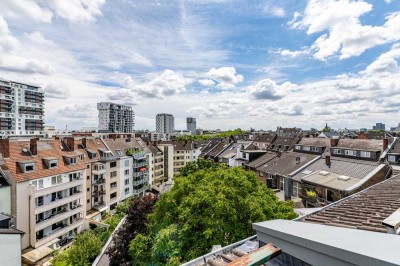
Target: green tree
x=85, y=249
x=207, y=207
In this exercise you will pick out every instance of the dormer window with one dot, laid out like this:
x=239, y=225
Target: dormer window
x=365, y=154
x=314, y=149
x=51, y=162
x=336, y=151
x=306, y=148
x=350, y=152
x=27, y=166
x=70, y=160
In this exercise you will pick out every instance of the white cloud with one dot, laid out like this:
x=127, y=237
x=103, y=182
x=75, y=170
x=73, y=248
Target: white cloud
x=42, y=11
x=346, y=35
x=159, y=86
x=225, y=76
x=206, y=82
x=123, y=96
x=273, y=10
x=10, y=59
x=286, y=52
x=23, y=9
x=57, y=91
x=385, y=62
x=267, y=89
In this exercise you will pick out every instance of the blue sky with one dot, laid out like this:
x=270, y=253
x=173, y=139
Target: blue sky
x=229, y=63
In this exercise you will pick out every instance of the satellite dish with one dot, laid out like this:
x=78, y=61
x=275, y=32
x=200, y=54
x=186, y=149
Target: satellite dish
x=297, y=158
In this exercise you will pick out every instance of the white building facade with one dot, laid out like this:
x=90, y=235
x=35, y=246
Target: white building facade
x=115, y=118
x=21, y=109
x=165, y=123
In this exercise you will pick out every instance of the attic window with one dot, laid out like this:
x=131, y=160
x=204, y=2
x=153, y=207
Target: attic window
x=336, y=151
x=53, y=164
x=29, y=167
x=314, y=148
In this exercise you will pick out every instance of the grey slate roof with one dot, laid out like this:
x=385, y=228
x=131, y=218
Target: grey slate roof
x=286, y=164
x=395, y=148
x=317, y=142
x=360, y=144
x=340, y=166
x=262, y=159
x=267, y=138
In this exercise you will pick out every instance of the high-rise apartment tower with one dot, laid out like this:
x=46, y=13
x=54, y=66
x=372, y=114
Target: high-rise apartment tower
x=115, y=118
x=165, y=123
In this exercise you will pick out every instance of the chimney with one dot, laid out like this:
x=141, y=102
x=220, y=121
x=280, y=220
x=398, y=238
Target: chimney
x=328, y=160
x=33, y=146
x=84, y=143
x=70, y=143
x=385, y=144
x=288, y=188
x=5, y=147
x=333, y=142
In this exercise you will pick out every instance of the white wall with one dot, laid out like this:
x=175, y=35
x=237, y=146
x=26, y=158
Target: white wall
x=10, y=249
x=5, y=199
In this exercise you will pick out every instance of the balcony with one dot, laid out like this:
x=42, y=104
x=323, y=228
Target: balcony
x=140, y=190
x=99, y=205
x=98, y=192
x=58, y=232
x=137, y=174
x=59, y=202
x=57, y=217
x=137, y=165
x=58, y=187
x=99, y=181
x=139, y=182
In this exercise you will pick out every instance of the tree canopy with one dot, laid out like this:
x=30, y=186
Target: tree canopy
x=208, y=205
x=135, y=223
x=208, y=136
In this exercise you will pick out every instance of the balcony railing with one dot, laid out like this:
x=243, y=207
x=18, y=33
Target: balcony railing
x=99, y=181
x=53, y=215
x=98, y=192
x=140, y=190
x=137, y=165
x=140, y=173
x=139, y=182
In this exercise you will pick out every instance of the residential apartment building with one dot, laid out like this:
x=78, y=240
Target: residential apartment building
x=379, y=126
x=115, y=118
x=183, y=152
x=10, y=242
x=21, y=109
x=49, y=188
x=191, y=125
x=165, y=123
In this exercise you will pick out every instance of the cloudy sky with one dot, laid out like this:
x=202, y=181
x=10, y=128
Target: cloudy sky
x=230, y=63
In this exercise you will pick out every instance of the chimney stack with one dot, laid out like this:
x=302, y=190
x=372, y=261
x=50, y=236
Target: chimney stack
x=33, y=146
x=70, y=143
x=328, y=160
x=84, y=143
x=385, y=144
x=333, y=142
x=288, y=188
x=5, y=147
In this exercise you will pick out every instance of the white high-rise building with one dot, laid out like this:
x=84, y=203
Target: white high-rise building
x=21, y=109
x=165, y=123
x=115, y=118
x=191, y=125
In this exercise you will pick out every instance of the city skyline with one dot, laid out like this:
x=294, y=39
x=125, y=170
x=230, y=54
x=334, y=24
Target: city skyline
x=227, y=63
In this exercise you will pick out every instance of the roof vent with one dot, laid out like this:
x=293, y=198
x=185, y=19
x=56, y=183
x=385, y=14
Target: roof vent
x=307, y=172
x=25, y=150
x=343, y=177
x=324, y=173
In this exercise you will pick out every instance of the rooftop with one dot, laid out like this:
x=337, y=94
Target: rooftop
x=365, y=210
x=361, y=144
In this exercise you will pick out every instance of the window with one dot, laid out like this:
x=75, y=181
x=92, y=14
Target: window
x=113, y=174
x=53, y=164
x=350, y=152
x=88, y=189
x=126, y=182
x=392, y=158
x=126, y=190
x=39, y=201
x=314, y=149
x=113, y=195
x=87, y=177
x=113, y=164
x=88, y=201
x=29, y=168
x=81, y=156
x=336, y=151
x=297, y=147
x=72, y=160
x=127, y=163
x=127, y=172
x=113, y=185
x=38, y=183
x=56, y=179
x=306, y=148
x=365, y=154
